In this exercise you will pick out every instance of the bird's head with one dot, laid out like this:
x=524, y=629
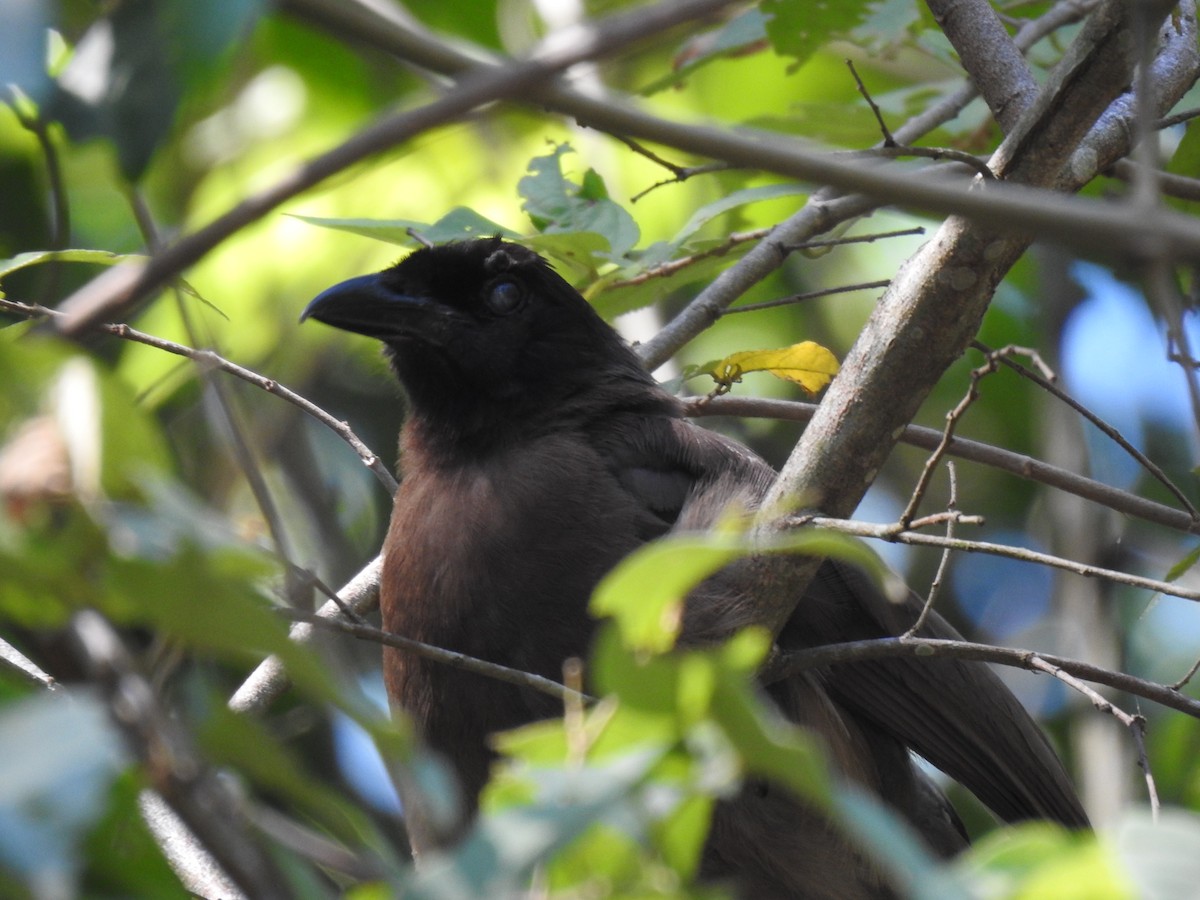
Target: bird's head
x=483, y=332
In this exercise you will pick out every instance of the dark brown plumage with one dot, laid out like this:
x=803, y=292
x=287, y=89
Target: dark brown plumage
x=538, y=452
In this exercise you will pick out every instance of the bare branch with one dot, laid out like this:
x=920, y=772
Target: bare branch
x=269, y=679
x=121, y=287
x=897, y=534
x=789, y=664
x=992, y=59
x=18, y=662
x=1111, y=432
x=451, y=658
x=952, y=518
x=1135, y=724
x=1005, y=460
x=212, y=360
x=202, y=801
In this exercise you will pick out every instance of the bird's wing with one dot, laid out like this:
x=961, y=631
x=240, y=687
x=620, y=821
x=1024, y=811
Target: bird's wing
x=956, y=713
x=681, y=475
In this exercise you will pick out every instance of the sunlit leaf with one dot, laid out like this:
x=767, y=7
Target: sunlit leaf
x=555, y=204
x=645, y=593
x=1040, y=861
x=38, y=257
x=808, y=364
x=459, y=224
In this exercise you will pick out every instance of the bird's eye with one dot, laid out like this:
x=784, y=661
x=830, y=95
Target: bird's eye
x=504, y=297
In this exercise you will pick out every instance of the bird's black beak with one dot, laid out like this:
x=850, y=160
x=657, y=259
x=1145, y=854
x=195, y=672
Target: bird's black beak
x=365, y=305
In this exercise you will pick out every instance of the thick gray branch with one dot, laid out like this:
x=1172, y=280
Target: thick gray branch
x=932, y=310
x=994, y=62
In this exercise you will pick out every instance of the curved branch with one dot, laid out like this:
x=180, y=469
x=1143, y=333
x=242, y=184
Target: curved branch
x=1079, y=222
x=790, y=664
x=451, y=658
x=975, y=451
x=121, y=287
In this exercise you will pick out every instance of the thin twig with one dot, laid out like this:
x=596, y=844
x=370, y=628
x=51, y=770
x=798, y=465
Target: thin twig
x=952, y=419
x=940, y=574
x=1176, y=119
x=676, y=265
x=270, y=679
x=209, y=358
x=937, y=154
x=851, y=239
x=1188, y=676
x=1112, y=433
x=18, y=662
x=985, y=454
x=452, y=658
x=888, y=139
x=1135, y=724
x=167, y=754
x=897, y=534
x=786, y=665
x=679, y=174
x=670, y=268
x=60, y=208
x=807, y=295
x=891, y=148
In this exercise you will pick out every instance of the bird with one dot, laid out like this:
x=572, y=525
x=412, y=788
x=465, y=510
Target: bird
x=536, y=454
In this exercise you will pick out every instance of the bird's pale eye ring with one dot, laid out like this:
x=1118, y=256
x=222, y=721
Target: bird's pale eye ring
x=504, y=296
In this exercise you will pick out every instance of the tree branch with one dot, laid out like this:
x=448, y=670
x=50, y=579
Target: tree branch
x=789, y=664
x=985, y=454
x=212, y=360
x=898, y=534
x=932, y=310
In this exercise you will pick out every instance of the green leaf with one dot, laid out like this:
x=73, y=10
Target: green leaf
x=209, y=600
x=1043, y=860
x=798, y=28
x=741, y=34
x=39, y=257
x=499, y=854
x=557, y=205
x=710, y=211
x=459, y=224
x=122, y=857
x=244, y=744
x=645, y=593
x=132, y=66
x=1184, y=565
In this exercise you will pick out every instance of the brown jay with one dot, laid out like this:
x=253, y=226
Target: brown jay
x=537, y=453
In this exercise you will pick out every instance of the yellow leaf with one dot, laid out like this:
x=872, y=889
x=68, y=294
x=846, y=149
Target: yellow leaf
x=808, y=364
